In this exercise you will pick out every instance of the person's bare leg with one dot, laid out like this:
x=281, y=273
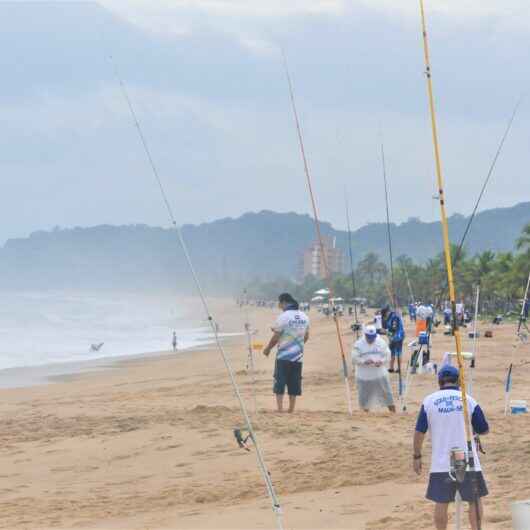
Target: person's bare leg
x=398, y=363
x=292, y=404
x=279, y=402
x=392, y=360
x=473, y=514
x=440, y=515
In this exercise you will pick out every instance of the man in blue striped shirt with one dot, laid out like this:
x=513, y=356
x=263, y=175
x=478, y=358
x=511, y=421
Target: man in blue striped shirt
x=290, y=333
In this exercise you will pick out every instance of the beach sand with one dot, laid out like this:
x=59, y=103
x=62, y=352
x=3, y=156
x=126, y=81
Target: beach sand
x=148, y=443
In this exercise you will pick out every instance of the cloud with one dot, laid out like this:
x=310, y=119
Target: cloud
x=207, y=82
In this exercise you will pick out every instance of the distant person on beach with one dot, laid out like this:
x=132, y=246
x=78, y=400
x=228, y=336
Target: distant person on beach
x=412, y=312
x=395, y=330
x=441, y=413
x=174, y=341
x=370, y=356
x=290, y=333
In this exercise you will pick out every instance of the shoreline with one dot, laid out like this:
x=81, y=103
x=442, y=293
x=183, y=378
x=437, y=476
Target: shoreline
x=52, y=373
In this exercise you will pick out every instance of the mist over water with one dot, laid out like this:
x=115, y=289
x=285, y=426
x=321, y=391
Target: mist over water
x=40, y=328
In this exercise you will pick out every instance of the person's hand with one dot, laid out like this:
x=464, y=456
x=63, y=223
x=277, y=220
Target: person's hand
x=266, y=351
x=416, y=464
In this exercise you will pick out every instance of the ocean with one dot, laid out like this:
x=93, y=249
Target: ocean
x=50, y=328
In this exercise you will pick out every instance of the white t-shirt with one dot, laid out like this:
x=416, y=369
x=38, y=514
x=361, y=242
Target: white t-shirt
x=424, y=312
x=363, y=351
x=292, y=326
x=442, y=414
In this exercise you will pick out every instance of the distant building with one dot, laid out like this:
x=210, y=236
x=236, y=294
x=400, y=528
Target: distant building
x=313, y=264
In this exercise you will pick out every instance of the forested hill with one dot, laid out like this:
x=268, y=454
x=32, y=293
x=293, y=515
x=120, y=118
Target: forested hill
x=227, y=252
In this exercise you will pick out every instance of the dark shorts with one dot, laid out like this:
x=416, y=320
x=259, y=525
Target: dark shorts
x=396, y=348
x=288, y=374
x=443, y=489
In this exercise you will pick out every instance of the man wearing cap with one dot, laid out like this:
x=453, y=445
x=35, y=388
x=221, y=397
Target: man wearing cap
x=442, y=414
x=290, y=333
x=370, y=356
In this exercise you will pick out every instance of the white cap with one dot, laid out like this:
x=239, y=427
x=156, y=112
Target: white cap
x=370, y=330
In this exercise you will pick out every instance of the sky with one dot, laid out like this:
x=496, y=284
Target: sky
x=207, y=82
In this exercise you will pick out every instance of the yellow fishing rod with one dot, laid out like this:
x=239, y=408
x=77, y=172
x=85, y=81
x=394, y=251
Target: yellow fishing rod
x=449, y=262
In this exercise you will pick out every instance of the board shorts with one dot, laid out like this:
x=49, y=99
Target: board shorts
x=287, y=374
x=443, y=489
x=374, y=392
x=396, y=348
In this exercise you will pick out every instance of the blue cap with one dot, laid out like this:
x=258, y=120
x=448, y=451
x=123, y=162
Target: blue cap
x=449, y=372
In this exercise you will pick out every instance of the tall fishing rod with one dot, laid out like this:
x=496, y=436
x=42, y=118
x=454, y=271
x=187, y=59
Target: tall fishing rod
x=522, y=318
x=412, y=299
x=251, y=365
x=449, y=265
x=327, y=272
x=393, y=298
x=389, y=235
x=522, y=338
x=276, y=506
x=356, y=324
x=475, y=340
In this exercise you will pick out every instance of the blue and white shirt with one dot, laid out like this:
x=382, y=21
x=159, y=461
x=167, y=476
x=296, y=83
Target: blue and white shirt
x=442, y=414
x=292, y=326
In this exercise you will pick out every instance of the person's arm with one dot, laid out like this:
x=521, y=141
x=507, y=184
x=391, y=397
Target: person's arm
x=273, y=342
x=422, y=425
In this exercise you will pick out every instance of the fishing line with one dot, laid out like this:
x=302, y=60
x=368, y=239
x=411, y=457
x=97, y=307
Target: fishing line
x=486, y=181
x=471, y=219
x=449, y=266
x=215, y=329
x=389, y=236
x=356, y=325
x=327, y=272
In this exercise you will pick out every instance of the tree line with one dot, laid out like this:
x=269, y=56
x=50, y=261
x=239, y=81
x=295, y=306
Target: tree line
x=501, y=276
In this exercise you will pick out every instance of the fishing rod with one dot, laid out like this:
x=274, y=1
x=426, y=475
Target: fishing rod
x=356, y=324
x=522, y=337
x=522, y=316
x=475, y=341
x=449, y=265
x=393, y=297
x=251, y=365
x=327, y=272
x=412, y=299
x=389, y=236
x=276, y=506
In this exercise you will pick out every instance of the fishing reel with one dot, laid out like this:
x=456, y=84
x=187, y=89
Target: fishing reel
x=458, y=465
x=356, y=327
x=242, y=441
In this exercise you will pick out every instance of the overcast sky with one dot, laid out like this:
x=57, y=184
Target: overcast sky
x=206, y=79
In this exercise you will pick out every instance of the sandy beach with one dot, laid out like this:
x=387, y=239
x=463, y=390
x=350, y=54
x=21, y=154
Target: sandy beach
x=147, y=443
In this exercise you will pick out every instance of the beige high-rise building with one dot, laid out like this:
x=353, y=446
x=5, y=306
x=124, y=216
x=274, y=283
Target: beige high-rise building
x=313, y=264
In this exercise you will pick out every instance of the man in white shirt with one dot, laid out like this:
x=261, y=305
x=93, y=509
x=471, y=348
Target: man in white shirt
x=442, y=414
x=370, y=356
x=290, y=333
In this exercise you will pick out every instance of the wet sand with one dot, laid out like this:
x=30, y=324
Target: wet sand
x=148, y=444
